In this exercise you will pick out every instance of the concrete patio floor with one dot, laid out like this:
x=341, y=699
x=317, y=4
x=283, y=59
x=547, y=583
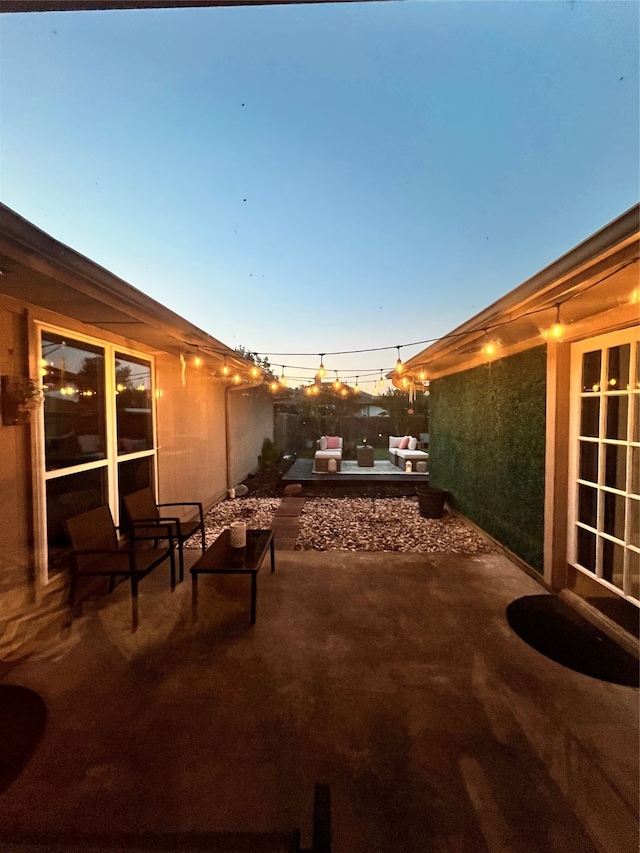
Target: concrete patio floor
x=394, y=678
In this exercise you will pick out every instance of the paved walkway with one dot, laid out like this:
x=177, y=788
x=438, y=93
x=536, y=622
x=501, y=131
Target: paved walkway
x=286, y=523
x=395, y=678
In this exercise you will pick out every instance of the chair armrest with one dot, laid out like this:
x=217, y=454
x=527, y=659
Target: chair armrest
x=163, y=523
x=187, y=503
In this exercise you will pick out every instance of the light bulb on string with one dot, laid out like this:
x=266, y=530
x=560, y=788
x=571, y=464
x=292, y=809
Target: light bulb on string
x=557, y=330
x=255, y=371
x=274, y=386
x=356, y=387
x=490, y=348
x=226, y=370
x=197, y=361
x=399, y=364
x=283, y=378
x=337, y=384
x=321, y=371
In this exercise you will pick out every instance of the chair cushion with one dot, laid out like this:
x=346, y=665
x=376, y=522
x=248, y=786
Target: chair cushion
x=333, y=442
x=394, y=441
x=413, y=443
x=323, y=442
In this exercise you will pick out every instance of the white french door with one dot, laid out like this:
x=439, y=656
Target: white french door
x=604, y=498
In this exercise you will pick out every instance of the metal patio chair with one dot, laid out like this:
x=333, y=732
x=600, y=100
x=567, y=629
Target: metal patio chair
x=96, y=551
x=152, y=524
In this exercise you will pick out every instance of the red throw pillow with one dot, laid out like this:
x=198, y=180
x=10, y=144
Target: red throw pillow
x=404, y=443
x=333, y=442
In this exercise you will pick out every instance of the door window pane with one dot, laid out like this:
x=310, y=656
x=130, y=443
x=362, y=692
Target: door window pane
x=590, y=416
x=589, y=461
x=614, y=515
x=618, y=372
x=617, y=417
x=635, y=405
x=634, y=574
x=633, y=508
x=587, y=549
x=615, y=466
x=133, y=404
x=591, y=362
x=133, y=474
x=68, y=496
x=587, y=505
x=612, y=562
x=635, y=470
x=74, y=402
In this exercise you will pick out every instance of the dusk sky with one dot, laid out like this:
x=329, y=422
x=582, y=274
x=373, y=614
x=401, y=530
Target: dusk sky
x=306, y=179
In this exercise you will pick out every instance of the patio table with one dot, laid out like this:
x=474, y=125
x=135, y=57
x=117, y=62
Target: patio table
x=221, y=559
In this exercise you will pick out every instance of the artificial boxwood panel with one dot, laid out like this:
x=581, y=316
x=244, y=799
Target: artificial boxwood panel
x=487, y=448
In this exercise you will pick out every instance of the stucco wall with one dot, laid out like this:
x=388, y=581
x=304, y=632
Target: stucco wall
x=487, y=448
x=191, y=434
x=250, y=422
x=16, y=555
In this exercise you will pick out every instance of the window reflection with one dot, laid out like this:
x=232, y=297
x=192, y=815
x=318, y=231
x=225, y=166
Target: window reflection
x=615, y=466
x=612, y=562
x=589, y=461
x=617, y=408
x=618, y=372
x=74, y=401
x=133, y=404
x=587, y=549
x=591, y=364
x=590, y=416
x=68, y=496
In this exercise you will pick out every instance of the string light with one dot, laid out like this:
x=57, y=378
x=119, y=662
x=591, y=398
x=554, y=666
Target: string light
x=283, y=378
x=356, y=388
x=226, y=370
x=197, y=361
x=337, y=382
x=255, y=371
x=556, y=331
x=274, y=386
x=489, y=349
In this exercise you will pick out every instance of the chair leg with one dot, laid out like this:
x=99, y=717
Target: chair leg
x=180, y=561
x=134, y=601
x=73, y=585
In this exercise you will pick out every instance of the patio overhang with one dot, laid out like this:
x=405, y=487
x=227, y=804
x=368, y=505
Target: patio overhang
x=597, y=277
x=37, y=269
x=93, y=5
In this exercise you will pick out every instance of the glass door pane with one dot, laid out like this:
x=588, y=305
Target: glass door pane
x=133, y=404
x=74, y=402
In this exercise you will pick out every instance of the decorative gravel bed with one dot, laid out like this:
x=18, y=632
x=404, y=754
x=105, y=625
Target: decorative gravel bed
x=384, y=524
x=257, y=512
x=352, y=524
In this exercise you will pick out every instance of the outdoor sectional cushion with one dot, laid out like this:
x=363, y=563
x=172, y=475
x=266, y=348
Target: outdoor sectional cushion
x=394, y=441
x=333, y=442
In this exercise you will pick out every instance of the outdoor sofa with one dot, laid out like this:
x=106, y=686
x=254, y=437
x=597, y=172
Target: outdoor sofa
x=329, y=448
x=403, y=449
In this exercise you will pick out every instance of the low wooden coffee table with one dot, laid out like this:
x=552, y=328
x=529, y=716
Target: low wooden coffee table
x=221, y=559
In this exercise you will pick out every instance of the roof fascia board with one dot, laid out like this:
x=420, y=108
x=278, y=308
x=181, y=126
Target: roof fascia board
x=100, y=5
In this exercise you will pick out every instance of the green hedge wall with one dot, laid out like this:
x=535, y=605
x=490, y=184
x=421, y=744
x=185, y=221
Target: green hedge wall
x=487, y=448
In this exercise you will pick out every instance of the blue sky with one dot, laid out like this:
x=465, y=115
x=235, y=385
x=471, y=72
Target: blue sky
x=305, y=179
